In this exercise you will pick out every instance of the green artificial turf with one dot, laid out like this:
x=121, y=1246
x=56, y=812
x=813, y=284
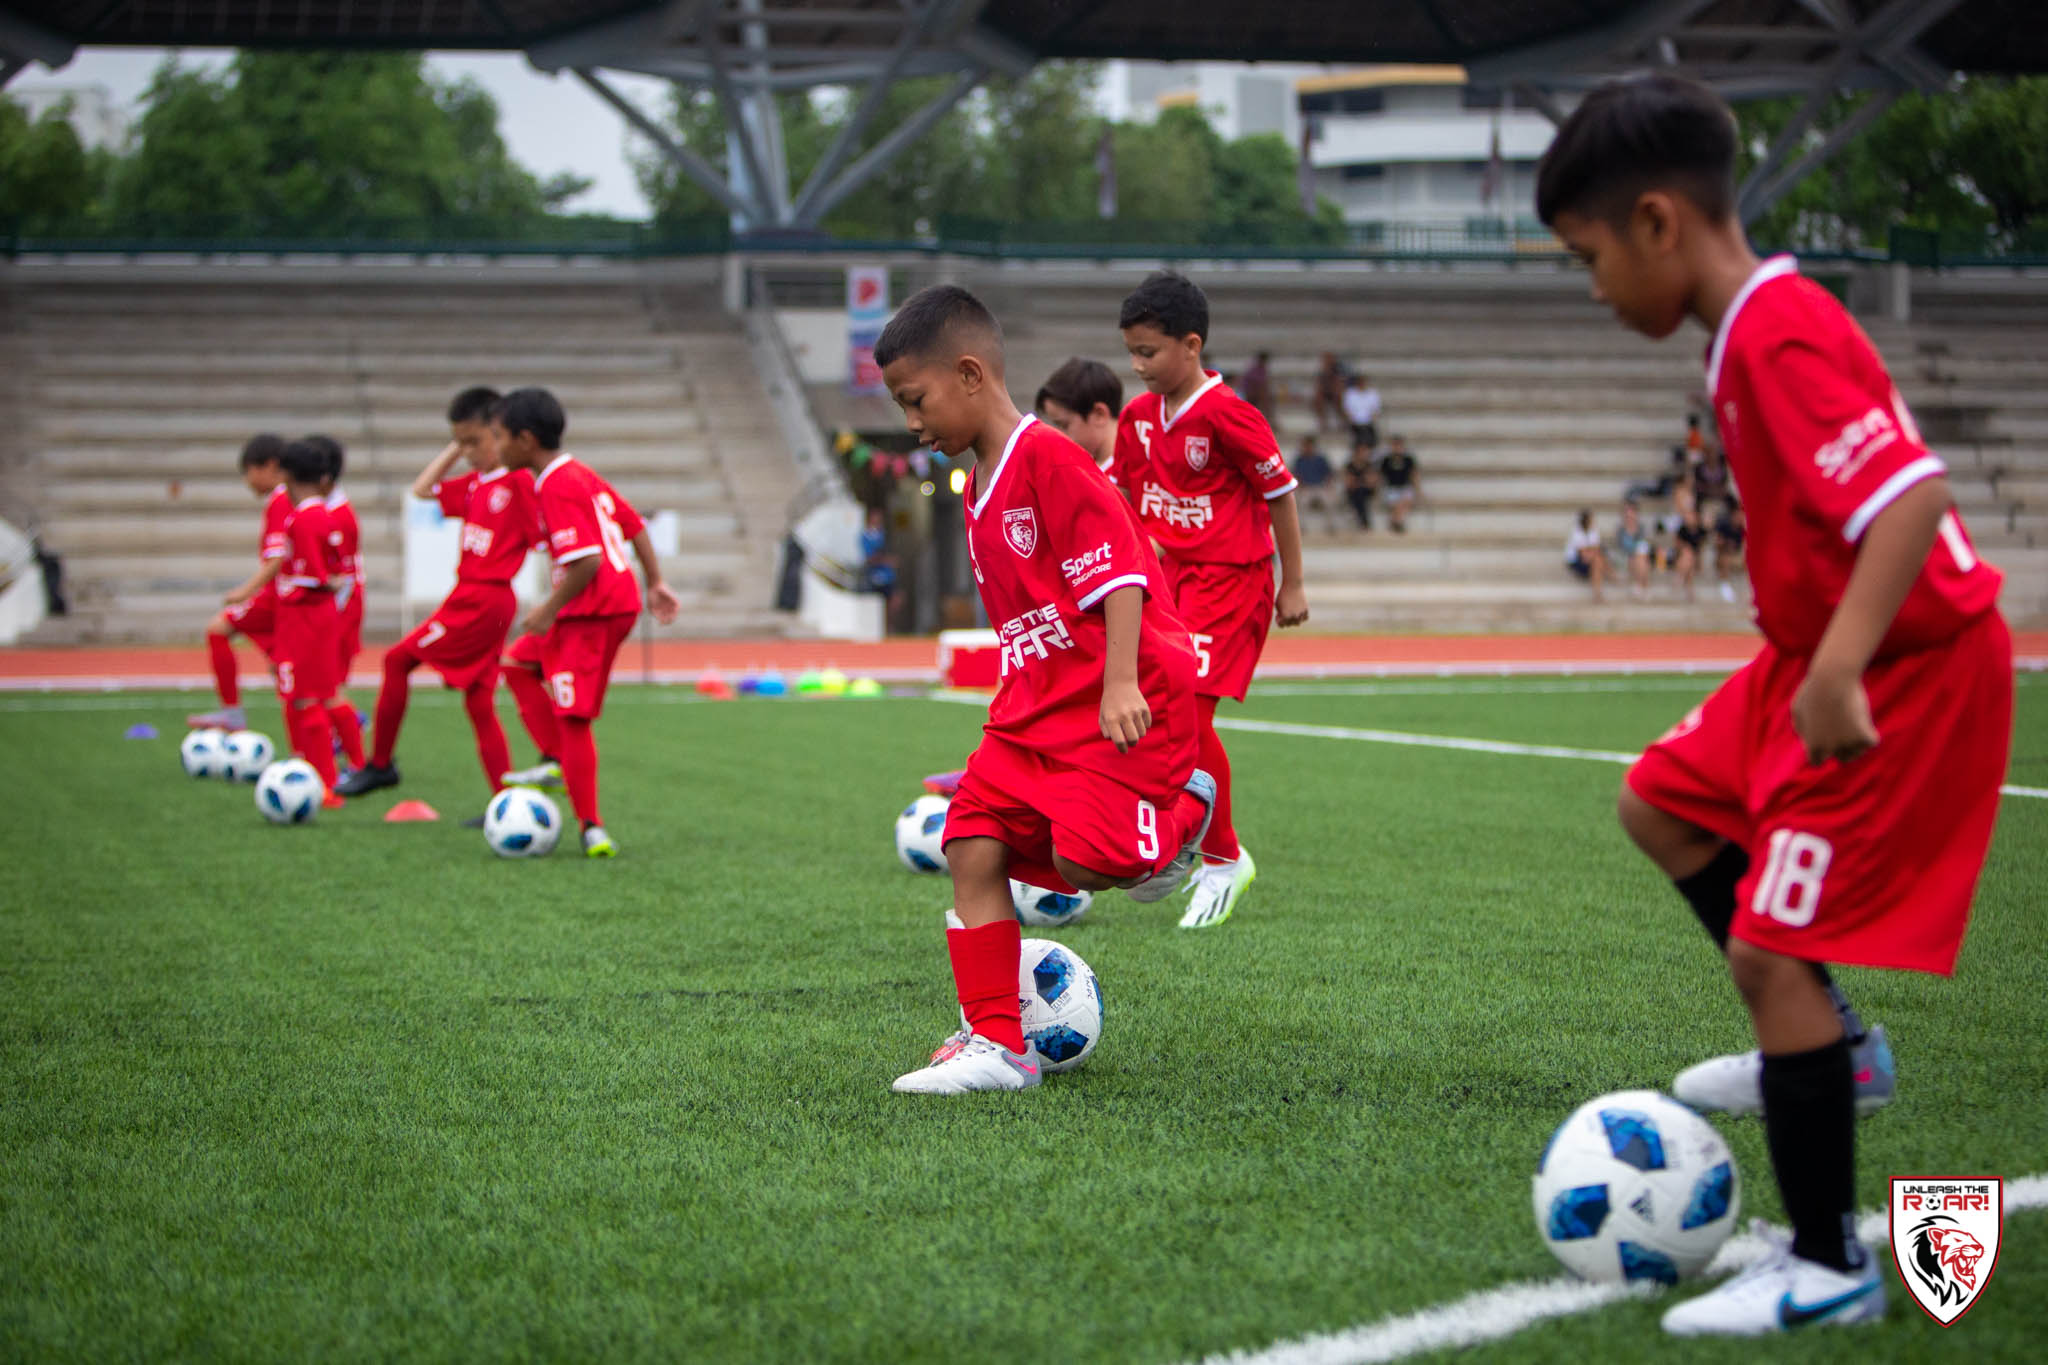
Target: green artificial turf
x=360, y=1091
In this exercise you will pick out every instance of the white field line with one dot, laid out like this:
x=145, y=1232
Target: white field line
x=1476, y=746
x=1493, y=1314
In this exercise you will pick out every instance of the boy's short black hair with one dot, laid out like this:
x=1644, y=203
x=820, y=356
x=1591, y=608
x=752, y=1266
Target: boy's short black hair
x=1656, y=131
x=262, y=449
x=1169, y=301
x=304, y=461
x=1078, y=385
x=473, y=404
x=331, y=448
x=936, y=317
x=535, y=410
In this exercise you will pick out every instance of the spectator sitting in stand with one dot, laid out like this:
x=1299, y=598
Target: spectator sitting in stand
x=1255, y=386
x=1584, y=556
x=1731, y=528
x=1633, y=544
x=1400, y=482
x=1710, y=477
x=1690, y=538
x=1327, y=402
x=1362, y=411
x=1312, y=470
x=1675, y=472
x=1361, y=480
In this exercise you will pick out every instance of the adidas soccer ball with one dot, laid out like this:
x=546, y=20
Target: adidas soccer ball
x=1061, y=1001
x=1043, y=909
x=289, y=793
x=522, y=823
x=245, y=754
x=203, y=752
x=921, y=834
x=1635, y=1186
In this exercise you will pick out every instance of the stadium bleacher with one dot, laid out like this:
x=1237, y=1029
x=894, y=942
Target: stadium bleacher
x=137, y=385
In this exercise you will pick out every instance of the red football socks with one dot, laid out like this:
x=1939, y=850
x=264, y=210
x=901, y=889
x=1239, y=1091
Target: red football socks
x=342, y=716
x=535, y=708
x=315, y=741
x=491, y=749
x=220, y=652
x=1220, y=846
x=578, y=757
x=985, y=961
x=391, y=702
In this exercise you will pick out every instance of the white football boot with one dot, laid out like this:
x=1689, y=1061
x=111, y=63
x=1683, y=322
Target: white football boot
x=976, y=1064
x=1782, y=1292
x=1218, y=888
x=1735, y=1084
x=546, y=775
x=1168, y=879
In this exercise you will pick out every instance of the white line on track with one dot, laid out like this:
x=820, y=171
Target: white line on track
x=1493, y=1314
x=1477, y=746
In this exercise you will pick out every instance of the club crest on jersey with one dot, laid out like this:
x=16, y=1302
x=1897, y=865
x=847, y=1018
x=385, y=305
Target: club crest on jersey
x=1198, y=453
x=499, y=498
x=1020, y=528
x=1945, y=1239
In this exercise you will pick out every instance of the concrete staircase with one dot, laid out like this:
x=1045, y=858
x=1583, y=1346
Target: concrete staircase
x=138, y=384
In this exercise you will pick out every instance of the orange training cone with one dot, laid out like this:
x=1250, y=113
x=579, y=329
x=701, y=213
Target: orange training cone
x=410, y=810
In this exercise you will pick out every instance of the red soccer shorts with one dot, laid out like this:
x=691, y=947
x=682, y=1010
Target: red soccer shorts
x=1037, y=806
x=575, y=660
x=1228, y=609
x=465, y=637
x=349, y=642
x=303, y=651
x=1871, y=862
x=256, y=619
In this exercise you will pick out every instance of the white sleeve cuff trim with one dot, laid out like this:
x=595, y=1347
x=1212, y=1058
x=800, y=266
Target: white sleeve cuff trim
x=574, y=555
x=1128, y=580
x=1922, y=469
x=1292, y=484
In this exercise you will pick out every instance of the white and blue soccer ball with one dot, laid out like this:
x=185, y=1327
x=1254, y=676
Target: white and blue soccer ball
x=921, y=834
x=521, y=822
x=289, y=793
x=245, y=754
x=1043, y=909
x=1061, y=1001
x=1635, y=1186
x=203, y=752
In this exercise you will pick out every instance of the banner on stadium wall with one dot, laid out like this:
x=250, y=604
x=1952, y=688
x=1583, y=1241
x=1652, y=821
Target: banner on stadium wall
x=867, y=312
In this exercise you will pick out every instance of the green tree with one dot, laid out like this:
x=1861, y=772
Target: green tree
x=321, y=143
x=48, y=180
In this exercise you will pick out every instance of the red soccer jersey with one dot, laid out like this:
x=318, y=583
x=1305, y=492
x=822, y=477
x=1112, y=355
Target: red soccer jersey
x=349, y=535
x=1048, y=540
x=276, y=512
x=1820, y=443
x=500, y=517
x=1201, y=481
x=312, y=553
x=585, y=516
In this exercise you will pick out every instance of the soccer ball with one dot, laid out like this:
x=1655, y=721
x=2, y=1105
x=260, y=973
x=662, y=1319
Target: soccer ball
x=245, y=754
x=522, y=823
x=289, y=793
x=1043, y=909
x=921, y=834
x=203, y=753
x=1635, y=1186
x=1061, y=1001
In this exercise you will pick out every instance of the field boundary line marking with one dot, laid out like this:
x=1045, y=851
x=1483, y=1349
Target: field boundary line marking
x=1494, y=1314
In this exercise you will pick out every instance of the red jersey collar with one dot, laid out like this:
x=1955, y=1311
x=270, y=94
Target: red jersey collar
x=1763, y=275
x=1165, y=422
x=552, y=466
x=984, y=494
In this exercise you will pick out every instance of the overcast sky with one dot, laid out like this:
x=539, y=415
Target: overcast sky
x=551, y=123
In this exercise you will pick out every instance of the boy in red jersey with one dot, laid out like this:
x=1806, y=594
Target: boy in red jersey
x=1213, y=490
x=251, y=609
x=562, y=661
x=1085, y=776
x=465, y=636
x=1082, y=399
x=307, y=620
x=1833, y=801
x=348, y=603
